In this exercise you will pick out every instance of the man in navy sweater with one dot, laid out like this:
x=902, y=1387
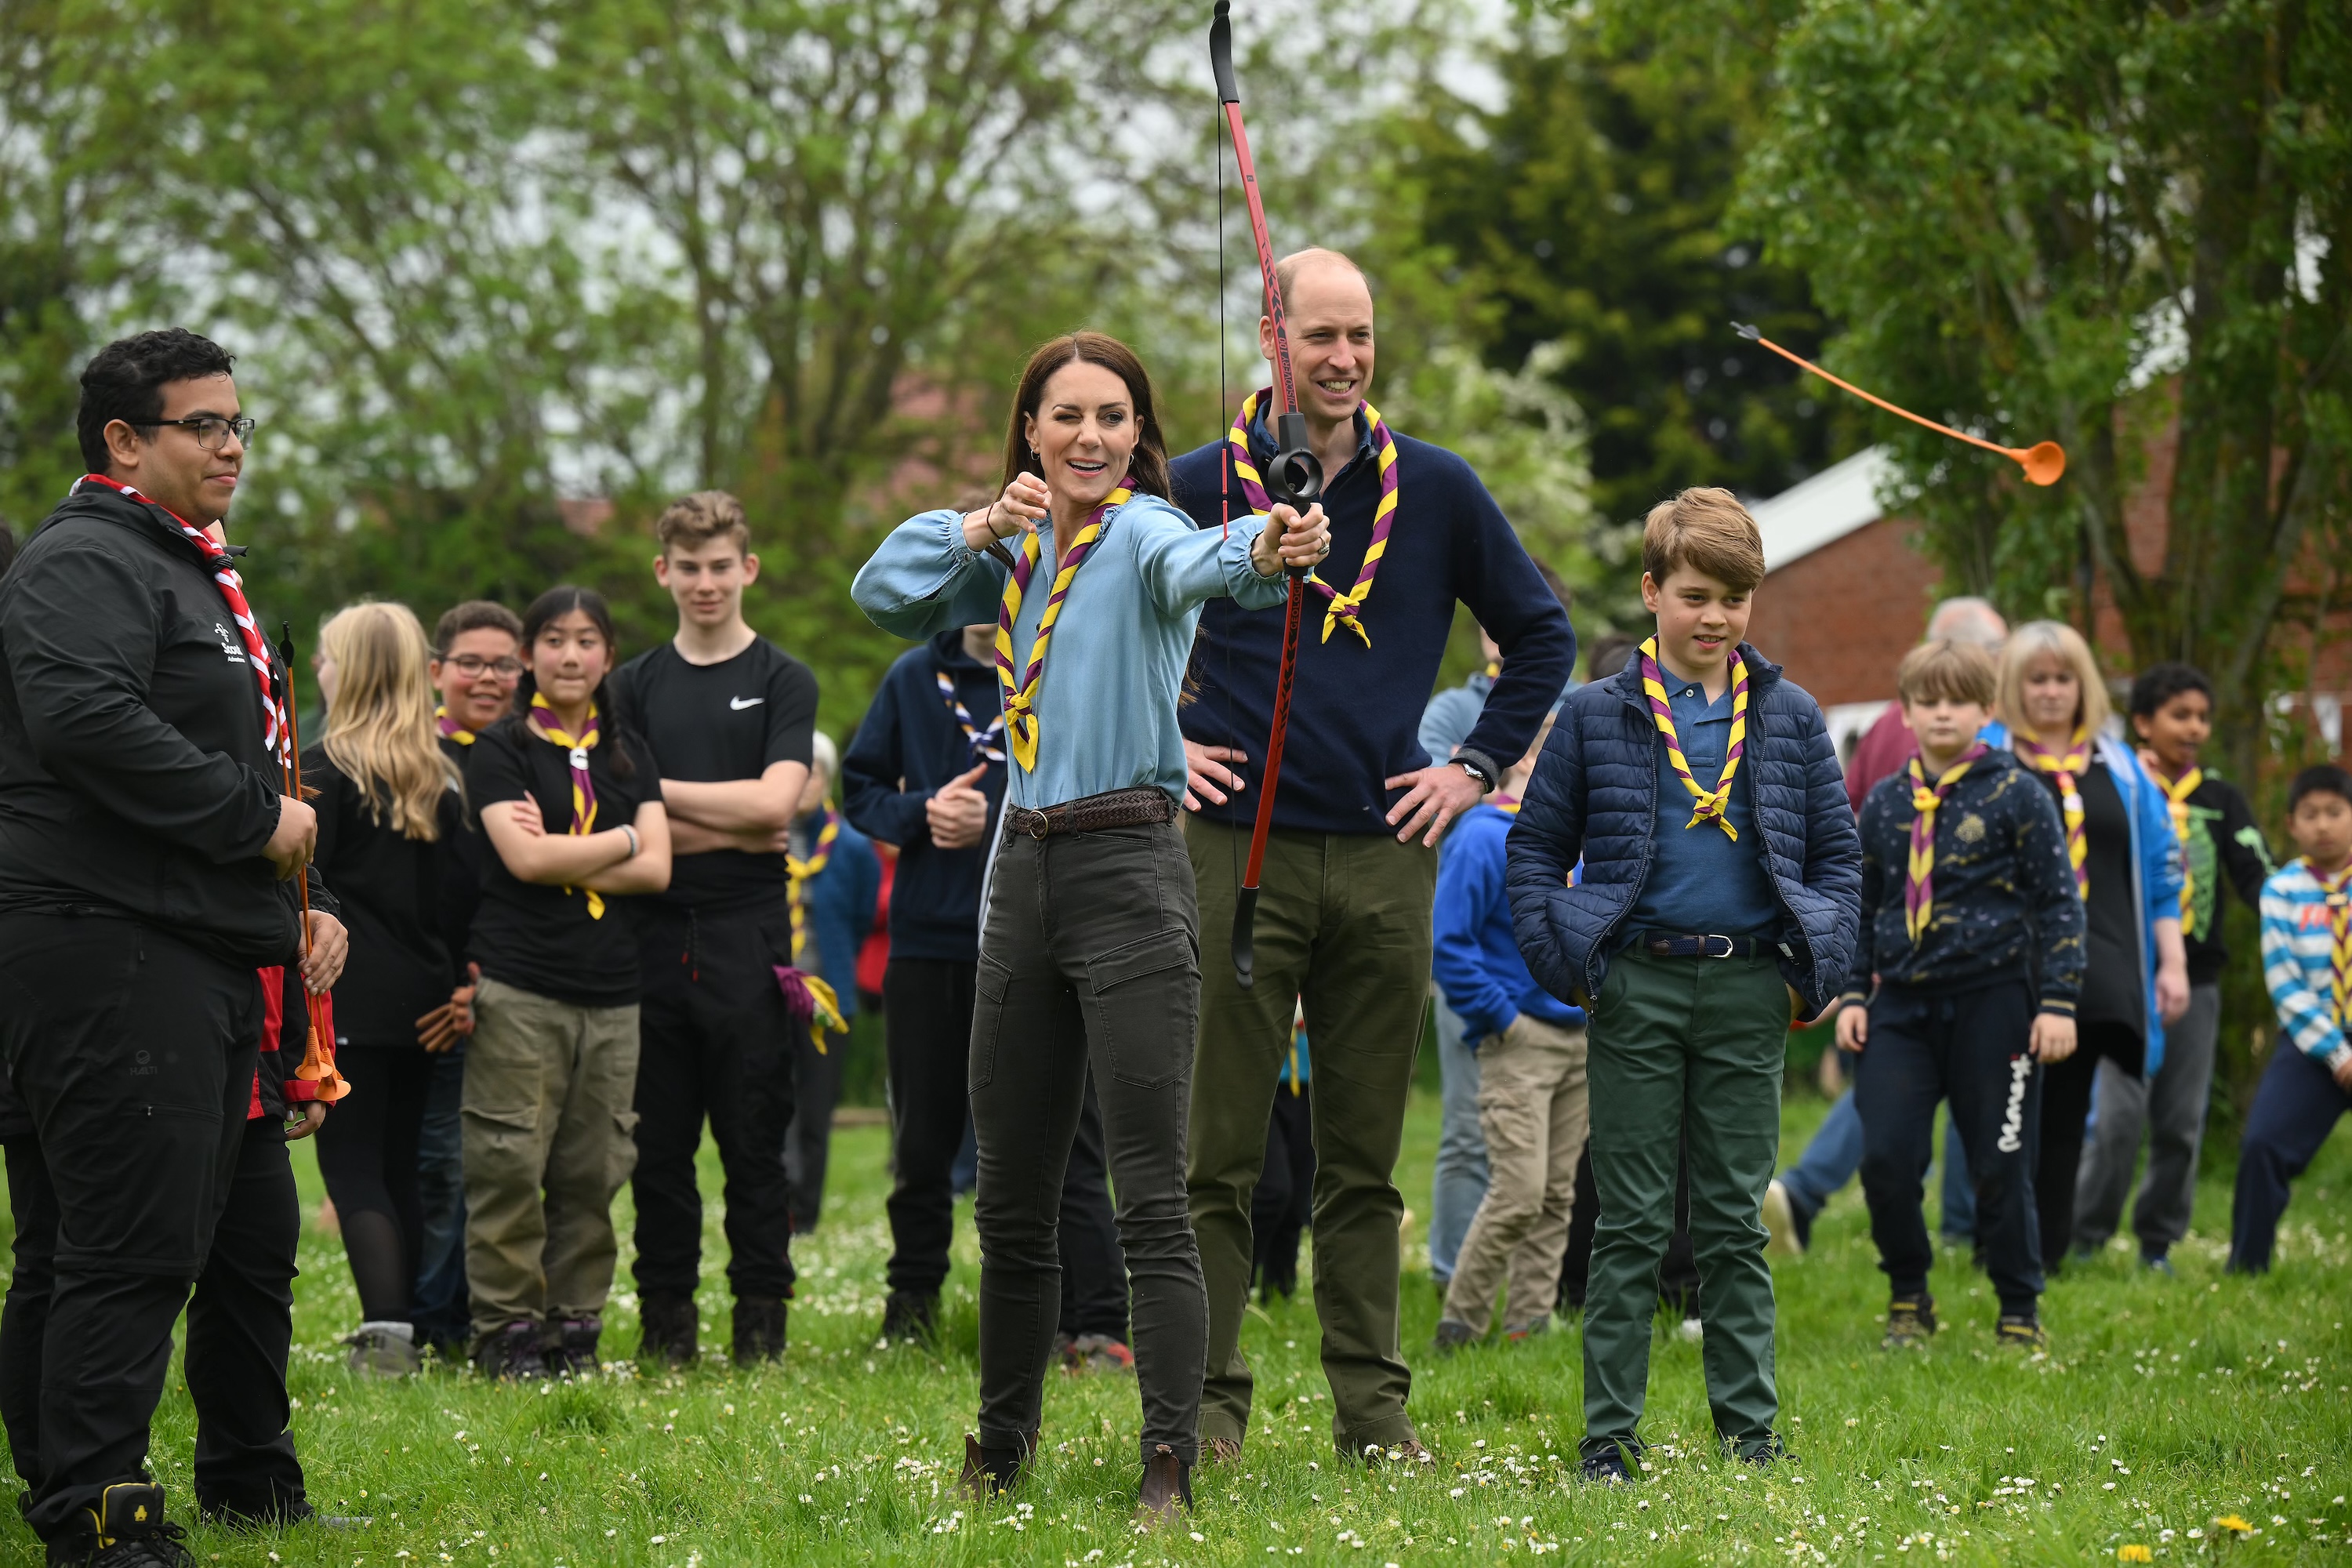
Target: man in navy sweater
x=926, y=773
x=1343, y=925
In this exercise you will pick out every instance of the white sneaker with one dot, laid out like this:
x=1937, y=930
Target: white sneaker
x=384, y=1350
x=1780, y=1220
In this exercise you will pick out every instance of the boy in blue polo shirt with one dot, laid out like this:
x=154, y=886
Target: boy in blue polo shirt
x=1720, y=898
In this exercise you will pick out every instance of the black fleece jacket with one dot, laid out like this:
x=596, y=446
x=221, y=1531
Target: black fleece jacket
x=2003, y=890
x=134, y=779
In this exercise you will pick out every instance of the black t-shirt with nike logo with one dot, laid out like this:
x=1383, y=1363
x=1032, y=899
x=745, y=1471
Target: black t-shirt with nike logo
x=710, y=723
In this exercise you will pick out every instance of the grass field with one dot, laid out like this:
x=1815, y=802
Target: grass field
x=2162, y=1406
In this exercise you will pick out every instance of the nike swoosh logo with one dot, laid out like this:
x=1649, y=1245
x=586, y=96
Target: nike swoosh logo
x=740, y=703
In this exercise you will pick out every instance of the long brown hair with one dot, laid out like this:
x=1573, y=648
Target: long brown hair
x=1148, y=465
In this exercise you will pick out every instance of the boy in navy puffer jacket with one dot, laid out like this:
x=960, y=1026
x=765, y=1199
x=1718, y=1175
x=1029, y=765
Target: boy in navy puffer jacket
x=1719, y=899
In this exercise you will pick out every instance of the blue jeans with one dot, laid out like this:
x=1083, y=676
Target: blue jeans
x=1461, y=1180
x=1833, y=1156
x=440, y=1311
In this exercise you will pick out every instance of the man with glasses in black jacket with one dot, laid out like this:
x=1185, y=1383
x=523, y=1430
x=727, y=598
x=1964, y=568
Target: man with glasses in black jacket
x=147, y=848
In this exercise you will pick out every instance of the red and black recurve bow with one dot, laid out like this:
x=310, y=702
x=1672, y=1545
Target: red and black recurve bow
x=1294, y=479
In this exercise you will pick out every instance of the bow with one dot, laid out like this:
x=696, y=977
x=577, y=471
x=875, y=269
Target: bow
x=1295, y=478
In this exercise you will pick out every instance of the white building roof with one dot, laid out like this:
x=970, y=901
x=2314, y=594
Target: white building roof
x=1823, y=510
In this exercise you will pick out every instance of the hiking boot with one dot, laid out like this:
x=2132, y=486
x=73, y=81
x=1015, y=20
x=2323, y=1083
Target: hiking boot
x=1763, y=1453
x=1097, y=1352
x=1519, y=1334
x=1910, y=1322
x=383, y=1351
x=126, y=1530
x=907, y=1315
x=1786, y=1226
x=571, y=1346
x=667, y=1328
x=1452, y=1333
x=989, y=1472
x=1606, y=1468
x=2020, y=1332
x=1219, y=1450
x=517, y=1351
x=1167, y=1492
x=759, y=1329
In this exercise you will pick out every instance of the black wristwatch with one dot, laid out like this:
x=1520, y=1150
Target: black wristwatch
x=1479, y=767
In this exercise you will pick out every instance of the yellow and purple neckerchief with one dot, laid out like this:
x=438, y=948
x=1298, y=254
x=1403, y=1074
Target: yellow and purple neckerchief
x=982, y=742
x=1346, y=608
x=1711, y=805
x=544, y=724
x=2176, y=795
x=1919, y=882
x=450, y=728
x=2337, y=892
x=2067, y=769
x=1020, y=715
x=808, y=998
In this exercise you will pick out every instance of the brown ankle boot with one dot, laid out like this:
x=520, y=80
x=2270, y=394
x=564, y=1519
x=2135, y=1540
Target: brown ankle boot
x=988, y=1472
x=1167, y=1487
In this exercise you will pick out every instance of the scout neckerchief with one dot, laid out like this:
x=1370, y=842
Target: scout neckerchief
x=1346, y=608
x=1297, y=1037
x=1020, y=715
x=547, y=726
x=2067, y=769
x=2176, y=795
x=1919, y=884
x=2338, y=891
x=982, y=742
x=808, y=998
x=1713, y=806
x=218, y=561
x=450, y=728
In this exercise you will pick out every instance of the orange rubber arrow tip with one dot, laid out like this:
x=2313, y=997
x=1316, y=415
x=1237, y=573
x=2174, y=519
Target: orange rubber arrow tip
x=2045, y=463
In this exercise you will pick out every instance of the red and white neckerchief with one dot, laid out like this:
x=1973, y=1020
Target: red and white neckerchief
x=232, y=588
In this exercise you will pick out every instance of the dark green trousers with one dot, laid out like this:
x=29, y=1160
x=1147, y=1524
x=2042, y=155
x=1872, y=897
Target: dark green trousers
x=1342, y=926
x=1683, y=1049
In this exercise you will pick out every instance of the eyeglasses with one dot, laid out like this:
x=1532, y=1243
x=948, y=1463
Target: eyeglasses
x=213, y=431
x=474, y=666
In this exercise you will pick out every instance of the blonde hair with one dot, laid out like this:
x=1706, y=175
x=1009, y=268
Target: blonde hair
x=1947, y=670
x=1708, y=530
x=380, y=732
x=825, y=757
x=2037, y=641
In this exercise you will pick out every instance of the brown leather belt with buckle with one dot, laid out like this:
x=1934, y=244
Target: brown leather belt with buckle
x=1094, y=813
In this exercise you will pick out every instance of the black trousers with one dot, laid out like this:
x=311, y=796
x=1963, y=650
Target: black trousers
x=2294, y=1109
x=368, y=1154
x=1284, y=1198
x=1090, y=959
x=715, y=1042
x=1969, y=1047
x=926, y=1008
x=133, y=1054
x=808, y=1142
x=2065, y=1107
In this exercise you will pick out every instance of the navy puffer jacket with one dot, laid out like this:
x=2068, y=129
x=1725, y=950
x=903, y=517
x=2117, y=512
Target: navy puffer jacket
x=1594, y=795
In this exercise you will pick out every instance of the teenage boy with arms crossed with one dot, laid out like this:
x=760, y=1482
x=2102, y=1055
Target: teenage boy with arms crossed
x=2172, y=716
x=729, y=717
x=1351, y=869
x=2307, y=963
x=1972, y=931
x=1718, y=900
x=477, y=662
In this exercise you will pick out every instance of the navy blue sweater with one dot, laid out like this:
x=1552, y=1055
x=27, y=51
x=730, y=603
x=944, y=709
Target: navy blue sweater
x=910, y=738
x=1355, y=712
x=1594, y=795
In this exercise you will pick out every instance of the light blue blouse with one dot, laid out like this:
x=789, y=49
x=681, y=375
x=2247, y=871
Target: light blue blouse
x=1107, y=705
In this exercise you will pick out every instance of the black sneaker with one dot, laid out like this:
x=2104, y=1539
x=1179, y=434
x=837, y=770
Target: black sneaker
x=126, y=1530
x=759, y=1329
x=569, y=1347
x=1452, y=1333
x=1910, y=1322
x=516, y=1350
x=1763, y=1453
x=2018, y=1331
x=907, y=1315
x=1606, y=1468
x=670, y=1328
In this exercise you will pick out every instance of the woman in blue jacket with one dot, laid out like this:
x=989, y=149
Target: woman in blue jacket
x=2127, y=868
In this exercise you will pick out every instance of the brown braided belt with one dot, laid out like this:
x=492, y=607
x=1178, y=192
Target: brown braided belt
x=1094, y=813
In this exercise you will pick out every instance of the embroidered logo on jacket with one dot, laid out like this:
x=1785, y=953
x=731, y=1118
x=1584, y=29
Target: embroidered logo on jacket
x=1971, y=829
